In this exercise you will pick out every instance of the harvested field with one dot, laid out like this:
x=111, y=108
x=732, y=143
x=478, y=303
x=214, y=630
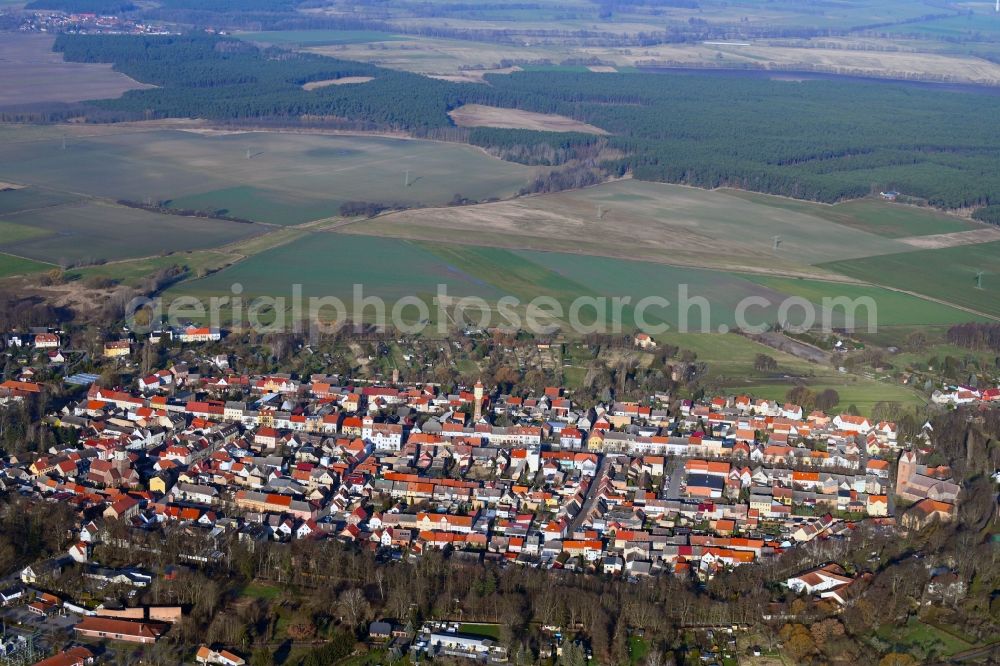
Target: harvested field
x=342, y=81
x=33, y=73
x=478, y=115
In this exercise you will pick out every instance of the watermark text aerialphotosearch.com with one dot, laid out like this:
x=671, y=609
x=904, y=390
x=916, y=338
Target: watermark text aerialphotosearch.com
x=681, y=311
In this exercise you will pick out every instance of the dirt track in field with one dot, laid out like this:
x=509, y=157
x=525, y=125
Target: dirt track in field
x=939, y=241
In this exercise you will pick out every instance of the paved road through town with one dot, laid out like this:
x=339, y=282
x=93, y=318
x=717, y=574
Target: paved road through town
x=592, y=493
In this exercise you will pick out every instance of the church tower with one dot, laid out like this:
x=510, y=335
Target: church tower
x=905, y=470
x=477, y=392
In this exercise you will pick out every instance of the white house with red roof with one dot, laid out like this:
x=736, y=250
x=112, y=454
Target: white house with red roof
x=820, y=579
x=851, y=423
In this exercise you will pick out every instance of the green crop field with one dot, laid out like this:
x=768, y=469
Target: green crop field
x=566, y=277
x=698, y=300
x=733, y=355
x=892, y=308
x=894, y=220
x=10, y=265
x=948, y=274
x=92, y=231
x=509, y=272
x=640, y=280
x=863, y=394
x=290, y=177
x=327, y=264
x=133, y=272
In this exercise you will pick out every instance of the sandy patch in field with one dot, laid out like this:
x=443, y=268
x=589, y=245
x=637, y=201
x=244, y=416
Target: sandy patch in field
x=457, y=78
x=477, y=115
x=938, y=241
x=474, y=75
x=10, y=186
x=342, y=81
x=208, y=131
x=602, y=69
